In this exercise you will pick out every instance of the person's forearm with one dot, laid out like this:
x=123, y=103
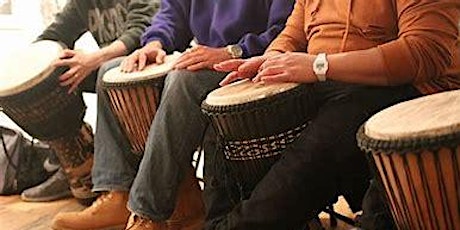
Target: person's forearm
x=361, y=67
x=115, y=49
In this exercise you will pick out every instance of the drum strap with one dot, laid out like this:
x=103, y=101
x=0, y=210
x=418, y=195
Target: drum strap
x=5, y=150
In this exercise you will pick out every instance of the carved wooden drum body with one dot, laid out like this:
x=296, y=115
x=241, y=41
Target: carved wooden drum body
x=415, y=148
x=135, y=98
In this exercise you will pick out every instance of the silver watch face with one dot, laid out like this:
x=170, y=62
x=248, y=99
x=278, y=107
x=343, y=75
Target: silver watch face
x=235, y=51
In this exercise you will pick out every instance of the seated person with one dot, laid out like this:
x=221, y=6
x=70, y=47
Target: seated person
x=223, y=30
x=356, y=59
x=116, y=26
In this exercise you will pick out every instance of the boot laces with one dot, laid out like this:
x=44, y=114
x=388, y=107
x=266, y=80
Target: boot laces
x=141, y=222
x=100, y=201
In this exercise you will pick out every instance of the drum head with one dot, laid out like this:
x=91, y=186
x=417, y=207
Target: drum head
x=28, y=67
x=425, y=117
x=244, y=91
x=150, y=72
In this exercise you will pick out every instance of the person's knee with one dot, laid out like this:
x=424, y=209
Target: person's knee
x=179, y=79
x=181, y=84
x=194, y=84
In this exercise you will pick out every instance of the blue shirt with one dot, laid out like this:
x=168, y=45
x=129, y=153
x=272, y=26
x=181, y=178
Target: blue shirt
x=252, y=24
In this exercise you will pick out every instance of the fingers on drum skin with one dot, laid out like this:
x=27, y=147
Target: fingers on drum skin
x=142, y=61
x=129, y=63
x=161, y=54
x=230, y=65
x=281, y=77
x=233, y=76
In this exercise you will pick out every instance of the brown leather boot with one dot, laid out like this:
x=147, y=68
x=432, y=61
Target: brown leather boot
x=138, y=223
x=188, y=214
x=108, y=211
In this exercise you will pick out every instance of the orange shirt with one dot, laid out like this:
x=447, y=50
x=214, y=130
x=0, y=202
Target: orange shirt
x=415, y=37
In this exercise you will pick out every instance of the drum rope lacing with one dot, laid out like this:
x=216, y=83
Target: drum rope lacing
x=406, y=145
x=263, y=147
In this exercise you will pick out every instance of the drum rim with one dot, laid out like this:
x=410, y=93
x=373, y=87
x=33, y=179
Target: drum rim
x=215, y=97
x=150, y=77
x=250, y=106
x=156, y=81
x=404, y=145
x=32, y=82
x=383, y=125
x=29, y=84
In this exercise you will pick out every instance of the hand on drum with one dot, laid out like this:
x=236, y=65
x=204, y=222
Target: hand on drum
x=239, y=68
x=150, y=53
x=201, y=57
x=80, y=66
x=284, y=67
x=287, y=67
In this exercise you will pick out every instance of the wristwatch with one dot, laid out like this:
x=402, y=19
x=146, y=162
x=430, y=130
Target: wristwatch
x=320, y=66
x=235, y=51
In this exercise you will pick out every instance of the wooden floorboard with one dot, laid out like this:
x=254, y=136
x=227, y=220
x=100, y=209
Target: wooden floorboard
x=18, y=215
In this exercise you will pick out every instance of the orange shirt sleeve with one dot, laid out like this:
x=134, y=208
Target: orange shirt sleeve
x=292, y=38
x=426, y=41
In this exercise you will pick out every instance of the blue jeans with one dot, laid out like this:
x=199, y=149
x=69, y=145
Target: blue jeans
x=174, y=135
x=115, y=166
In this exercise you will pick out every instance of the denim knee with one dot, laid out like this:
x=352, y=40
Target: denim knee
x=192, y=84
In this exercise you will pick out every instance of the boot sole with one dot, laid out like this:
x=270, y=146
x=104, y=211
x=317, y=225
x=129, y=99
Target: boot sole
x=118, y=227
x=47, y=198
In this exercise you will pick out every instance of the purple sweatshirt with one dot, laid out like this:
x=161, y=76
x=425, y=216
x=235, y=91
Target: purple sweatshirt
x=252, y=24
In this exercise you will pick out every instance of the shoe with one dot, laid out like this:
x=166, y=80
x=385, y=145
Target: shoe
x=189, y=213
x=107, y=212
x=138, y=223
x=54, y=188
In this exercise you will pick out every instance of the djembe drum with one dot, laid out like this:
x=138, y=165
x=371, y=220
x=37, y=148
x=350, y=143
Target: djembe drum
x=135, y=97
x=31, y=96
x=255, y=122
x=415, y=148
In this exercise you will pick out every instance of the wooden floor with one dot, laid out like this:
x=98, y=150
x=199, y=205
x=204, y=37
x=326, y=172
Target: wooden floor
x=18, y=215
